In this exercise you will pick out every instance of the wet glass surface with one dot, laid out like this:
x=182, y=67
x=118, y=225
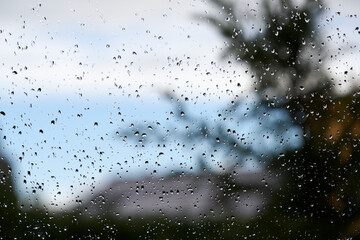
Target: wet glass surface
x=179, y=119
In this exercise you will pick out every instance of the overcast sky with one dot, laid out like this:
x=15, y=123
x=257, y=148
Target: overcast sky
x=69, y=47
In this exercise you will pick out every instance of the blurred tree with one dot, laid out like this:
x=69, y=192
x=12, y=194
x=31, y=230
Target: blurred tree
x=278, y=41
x=8, y=204
x=319, y=197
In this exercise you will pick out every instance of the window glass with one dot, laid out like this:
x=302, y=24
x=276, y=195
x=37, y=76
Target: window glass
x=179, y=119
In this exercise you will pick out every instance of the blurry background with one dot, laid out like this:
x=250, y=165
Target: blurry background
x=101, y=93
